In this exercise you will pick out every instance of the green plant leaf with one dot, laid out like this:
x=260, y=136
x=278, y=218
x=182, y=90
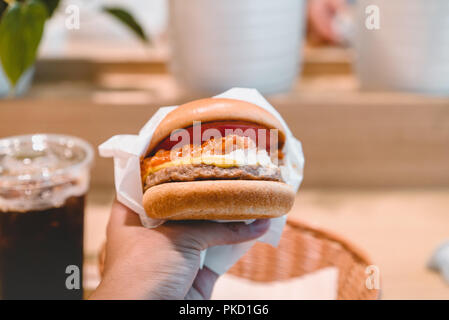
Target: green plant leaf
x=51, y=5
x=20, y=34
x=128, y=20
x=3, y=6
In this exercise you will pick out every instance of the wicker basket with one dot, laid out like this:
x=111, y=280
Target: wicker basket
x=304, y=249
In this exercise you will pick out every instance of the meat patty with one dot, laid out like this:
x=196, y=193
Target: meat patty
x=192, y=172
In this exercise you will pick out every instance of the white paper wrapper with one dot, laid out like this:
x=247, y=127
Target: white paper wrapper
x=127, y=150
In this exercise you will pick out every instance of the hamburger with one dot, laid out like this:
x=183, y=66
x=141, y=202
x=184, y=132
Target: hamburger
x=216, y=159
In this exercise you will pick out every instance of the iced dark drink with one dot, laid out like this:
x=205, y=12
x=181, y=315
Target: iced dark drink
x=43, y=183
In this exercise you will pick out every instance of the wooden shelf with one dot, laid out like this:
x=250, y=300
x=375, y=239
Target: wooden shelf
x=350, y=138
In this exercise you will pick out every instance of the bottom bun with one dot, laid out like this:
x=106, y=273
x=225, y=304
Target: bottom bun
x=218, y=200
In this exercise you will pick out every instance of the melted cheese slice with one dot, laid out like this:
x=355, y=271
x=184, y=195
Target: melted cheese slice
x=236, y=158
x=221, y=162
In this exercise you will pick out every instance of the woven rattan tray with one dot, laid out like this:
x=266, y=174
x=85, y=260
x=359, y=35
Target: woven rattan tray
x=304, y=249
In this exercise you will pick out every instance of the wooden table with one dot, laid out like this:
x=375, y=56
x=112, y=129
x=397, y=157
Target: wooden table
x=398, y=228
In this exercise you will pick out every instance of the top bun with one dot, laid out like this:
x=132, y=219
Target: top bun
x=215, y=109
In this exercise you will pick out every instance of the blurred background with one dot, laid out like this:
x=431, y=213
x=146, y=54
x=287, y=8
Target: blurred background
x=363, y=84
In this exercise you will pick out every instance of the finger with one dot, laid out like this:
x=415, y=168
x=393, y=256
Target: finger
x=337, y=5
x=121, y=216
x=121, y=221
x=204, y=283
x=321, y=15
x=208, y=234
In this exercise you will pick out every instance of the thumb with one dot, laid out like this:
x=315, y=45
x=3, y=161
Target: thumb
x=208, y=234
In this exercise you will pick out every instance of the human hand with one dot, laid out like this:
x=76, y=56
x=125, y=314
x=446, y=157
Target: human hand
x=163, y=263
x=321, y=15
